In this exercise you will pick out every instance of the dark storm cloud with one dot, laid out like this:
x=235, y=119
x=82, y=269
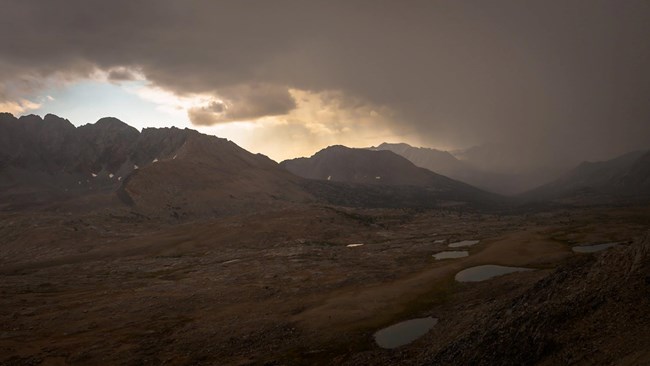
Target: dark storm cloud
x=121, y=74
x=560, y=78
x=244, y=102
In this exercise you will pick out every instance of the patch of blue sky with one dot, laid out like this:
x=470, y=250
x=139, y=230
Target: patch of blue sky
x=87, y=101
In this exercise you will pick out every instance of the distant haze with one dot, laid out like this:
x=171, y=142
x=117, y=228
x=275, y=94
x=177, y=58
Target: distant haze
x=556, y=82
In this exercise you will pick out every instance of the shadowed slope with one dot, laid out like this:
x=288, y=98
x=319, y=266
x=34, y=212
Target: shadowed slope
x=212, y=175
x=381, y=179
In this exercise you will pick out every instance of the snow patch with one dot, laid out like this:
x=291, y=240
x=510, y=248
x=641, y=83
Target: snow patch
x=329, y=177
x=135, y=166
x=94, y=175
x=111, y=175
x=354, y=245
x=377, y=177
x=155, y=160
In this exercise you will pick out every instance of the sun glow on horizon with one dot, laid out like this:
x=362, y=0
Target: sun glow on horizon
x=317, y=121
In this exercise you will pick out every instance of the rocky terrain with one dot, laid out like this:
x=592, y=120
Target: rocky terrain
x=590, y=310
x=284, y=287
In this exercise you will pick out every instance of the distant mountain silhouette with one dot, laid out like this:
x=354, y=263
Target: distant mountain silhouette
x=625, y=177
x=381, y=168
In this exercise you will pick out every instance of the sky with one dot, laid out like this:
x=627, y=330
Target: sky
x=556, y=81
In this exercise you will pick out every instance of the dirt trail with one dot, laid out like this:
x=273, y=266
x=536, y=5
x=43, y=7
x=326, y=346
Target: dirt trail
x=357, y=307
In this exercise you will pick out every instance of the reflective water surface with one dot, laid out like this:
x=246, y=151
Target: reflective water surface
x=451, y=254
x=464, y=243
x=485, y=272
x=593, y=248
x=404, y=332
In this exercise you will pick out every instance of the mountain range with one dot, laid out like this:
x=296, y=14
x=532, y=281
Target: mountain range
x=183, y=173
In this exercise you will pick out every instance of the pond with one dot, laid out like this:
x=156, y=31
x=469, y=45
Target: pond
x=451, y=254
x=485, y=272
x=592, y=248
x=464, y=243
x=404, y=332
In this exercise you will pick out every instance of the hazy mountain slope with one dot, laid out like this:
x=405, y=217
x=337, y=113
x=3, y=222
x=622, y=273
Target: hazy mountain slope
x=513, y=168
x=443, y=162
x=637, y=178
x=626, y=176
x=361, y=175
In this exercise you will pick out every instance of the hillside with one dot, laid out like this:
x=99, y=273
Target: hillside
x=376, y=176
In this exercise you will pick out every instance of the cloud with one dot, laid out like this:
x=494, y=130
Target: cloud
x=242, y=103
x=121, y=74
x=569, y=78
x=18, y=107
x=318, y=120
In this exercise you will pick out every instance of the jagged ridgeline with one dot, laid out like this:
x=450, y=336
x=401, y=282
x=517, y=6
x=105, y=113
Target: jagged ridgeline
x=155, y=170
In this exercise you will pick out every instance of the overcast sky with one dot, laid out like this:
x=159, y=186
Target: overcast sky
x=559, y=79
